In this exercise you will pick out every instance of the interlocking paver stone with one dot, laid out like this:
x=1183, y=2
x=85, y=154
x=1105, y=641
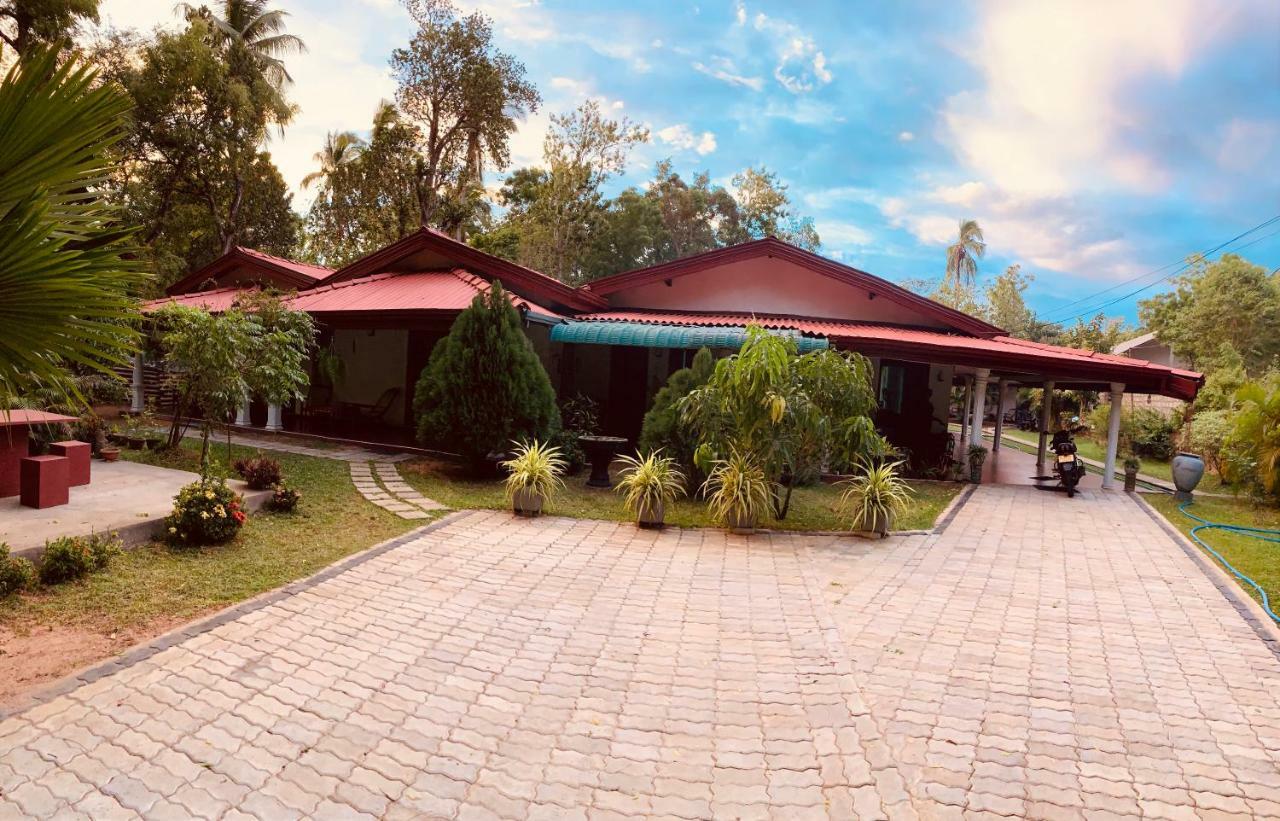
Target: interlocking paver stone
x=1040, y=657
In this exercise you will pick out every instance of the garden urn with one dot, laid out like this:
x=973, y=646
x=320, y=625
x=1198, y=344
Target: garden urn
x=741, y=523
x=526, y=502
x=1188, y=469
x=651, y=515
x=600, y=451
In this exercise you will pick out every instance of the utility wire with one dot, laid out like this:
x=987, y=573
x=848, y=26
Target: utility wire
x=1182, y=267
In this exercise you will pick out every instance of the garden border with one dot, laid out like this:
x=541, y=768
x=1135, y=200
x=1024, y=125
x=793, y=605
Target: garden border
x=164, y=641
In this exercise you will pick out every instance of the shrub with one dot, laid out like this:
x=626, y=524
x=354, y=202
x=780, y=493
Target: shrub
x=204, y=512
x=1253, y=446
x=1207, y=435
x=738, y=492
x=662, y=428
x=1152, y=434
x=71, y=557
x=535, y=468
x=91, y=428
x=16, y=573
x=875, y=495
x=484, y=385
x=284, y=499
x=258, y=471
x=580, y=416
x=649, y=481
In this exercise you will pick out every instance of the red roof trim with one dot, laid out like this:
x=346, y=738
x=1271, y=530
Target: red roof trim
x=215, y=299
x=297, y=274
x=771, y=246
x=319, y=299
x=515, y=277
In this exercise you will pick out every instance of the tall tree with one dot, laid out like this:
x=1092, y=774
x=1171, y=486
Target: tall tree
x=341, y=149
x=192, y=170
x=466, y=96
x=258, y=30
x=28, y=23
x=1005, y=306
x=765, y=210
x=66, y=276
x=1228, y=300
x=963, y=256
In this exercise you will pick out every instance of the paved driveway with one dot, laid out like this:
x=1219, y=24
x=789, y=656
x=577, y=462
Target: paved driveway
x=1041, y=657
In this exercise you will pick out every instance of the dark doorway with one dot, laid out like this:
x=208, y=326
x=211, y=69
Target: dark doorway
x=628, y=381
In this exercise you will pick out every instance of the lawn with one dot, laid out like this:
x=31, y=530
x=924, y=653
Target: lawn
x=812, y=508
x=1256, y=559
x=153, y=588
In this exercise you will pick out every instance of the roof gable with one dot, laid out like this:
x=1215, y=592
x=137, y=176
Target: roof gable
x=866, y=284
x=428, y=249
x=244, y=265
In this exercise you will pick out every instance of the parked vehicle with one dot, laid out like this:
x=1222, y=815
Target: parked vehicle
x=1067, y=463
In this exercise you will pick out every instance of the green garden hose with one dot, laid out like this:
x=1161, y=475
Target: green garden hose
x=1259, y=533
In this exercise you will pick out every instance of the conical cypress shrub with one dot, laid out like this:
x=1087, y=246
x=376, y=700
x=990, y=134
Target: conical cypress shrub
x=484, y=385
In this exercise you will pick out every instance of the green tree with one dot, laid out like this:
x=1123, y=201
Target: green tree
x=341, y=149
x=1253, y=445
x=765, y=210
x=1229, y=300
x=249, y=26
x=963, y=256
x=28, y=24
x=67, y=274
x=663, y=427
x=1005, y=306
x=1099, y=334
x=466, y=96
x=484, y=386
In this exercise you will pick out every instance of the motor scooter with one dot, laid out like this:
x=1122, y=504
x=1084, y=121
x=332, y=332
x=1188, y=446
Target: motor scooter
x=1067, y=464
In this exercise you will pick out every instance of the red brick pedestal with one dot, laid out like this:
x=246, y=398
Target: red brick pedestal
x=45, y=481
x=78, y=453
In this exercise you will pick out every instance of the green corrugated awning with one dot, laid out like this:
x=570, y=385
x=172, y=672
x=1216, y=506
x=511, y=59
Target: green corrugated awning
x=644, y=335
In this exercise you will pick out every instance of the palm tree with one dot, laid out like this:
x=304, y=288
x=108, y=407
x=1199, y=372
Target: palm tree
x=67, y=273
x=249, y=23
x=341, y=148
x=963, y=256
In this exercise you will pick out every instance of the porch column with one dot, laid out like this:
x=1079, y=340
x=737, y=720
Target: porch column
x=242, y=413
x=273, y=417
x=979, y=404
x=1001, y=389
x=964, y=418
x=1113, y=435
x=1046, y=414
x=139, y=399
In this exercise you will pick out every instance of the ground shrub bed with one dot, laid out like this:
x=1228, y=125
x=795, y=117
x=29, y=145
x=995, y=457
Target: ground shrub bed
x=205, y=512
x=259, y=472
x=16, y=573
x=73, y=557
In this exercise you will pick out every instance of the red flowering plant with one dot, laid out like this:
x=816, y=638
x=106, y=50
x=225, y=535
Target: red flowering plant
x=205, y=512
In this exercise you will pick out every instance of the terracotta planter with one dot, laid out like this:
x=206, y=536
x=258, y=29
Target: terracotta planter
x=526, y=502
x=651, y=516
x=109, y=454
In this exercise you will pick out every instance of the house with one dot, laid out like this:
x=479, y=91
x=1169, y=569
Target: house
x=617, y=339
x=1149, y=348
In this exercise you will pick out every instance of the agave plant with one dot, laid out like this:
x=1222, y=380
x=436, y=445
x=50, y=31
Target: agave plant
x=738, y=490
x=649, y=482
x=67, y=274
x=875, y=495
x=533, y=475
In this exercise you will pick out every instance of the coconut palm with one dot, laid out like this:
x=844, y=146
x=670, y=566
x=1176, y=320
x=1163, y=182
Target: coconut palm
x=963, y=256
x=66, y=275
x=341, y=148
x=249, y=23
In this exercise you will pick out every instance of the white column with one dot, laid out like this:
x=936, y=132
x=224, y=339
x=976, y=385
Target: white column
x=1001, y=389
x=979, y=404
x=964, y=417
x=1113, y=435
x=242, y=414
x=139, y=400
x=273, y=417
x=1046, y=416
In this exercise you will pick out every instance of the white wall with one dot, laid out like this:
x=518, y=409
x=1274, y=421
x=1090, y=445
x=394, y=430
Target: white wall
x=769, y=286
x=375, y=361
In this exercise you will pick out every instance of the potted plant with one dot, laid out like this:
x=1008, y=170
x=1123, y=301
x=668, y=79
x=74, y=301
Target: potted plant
x=109, y=453
x=738, y=492
x=977, y=455
x=1131, y=467
x=874, y=496
x=533, y=474
x=649, y=482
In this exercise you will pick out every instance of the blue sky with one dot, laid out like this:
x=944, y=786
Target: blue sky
x=1094, y=141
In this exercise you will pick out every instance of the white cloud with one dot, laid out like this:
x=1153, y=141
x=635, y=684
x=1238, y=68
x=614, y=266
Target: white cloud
x=740, y=13
x=683, y=138
x=905, y=136
x=801, y=65
x=842, y=234
x=723, y=69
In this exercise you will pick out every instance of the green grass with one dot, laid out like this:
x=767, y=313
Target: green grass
x=156, y=583
x=812, y=508
x=1256, y=559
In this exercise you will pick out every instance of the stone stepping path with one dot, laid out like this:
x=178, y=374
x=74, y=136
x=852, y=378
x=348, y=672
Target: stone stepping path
x=341, y=453
x=390, y=492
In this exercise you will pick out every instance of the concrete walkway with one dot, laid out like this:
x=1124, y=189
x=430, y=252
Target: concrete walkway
x=1041, y=657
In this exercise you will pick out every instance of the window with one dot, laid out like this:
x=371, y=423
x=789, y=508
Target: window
x=892, y=378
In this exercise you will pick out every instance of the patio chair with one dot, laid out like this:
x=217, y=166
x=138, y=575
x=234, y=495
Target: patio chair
x=375, y=412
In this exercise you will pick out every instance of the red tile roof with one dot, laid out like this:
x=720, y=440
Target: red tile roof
x=313, y=272
x=281, y=271
x=1001, y=352
x=451, y=290
x=216, y=299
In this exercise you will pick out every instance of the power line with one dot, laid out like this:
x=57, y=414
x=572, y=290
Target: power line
x=1183, y=266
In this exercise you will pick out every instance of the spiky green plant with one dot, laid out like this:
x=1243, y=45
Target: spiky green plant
x=649, y=481
x=536, y=468
x=738, y=491
x=875, y=494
